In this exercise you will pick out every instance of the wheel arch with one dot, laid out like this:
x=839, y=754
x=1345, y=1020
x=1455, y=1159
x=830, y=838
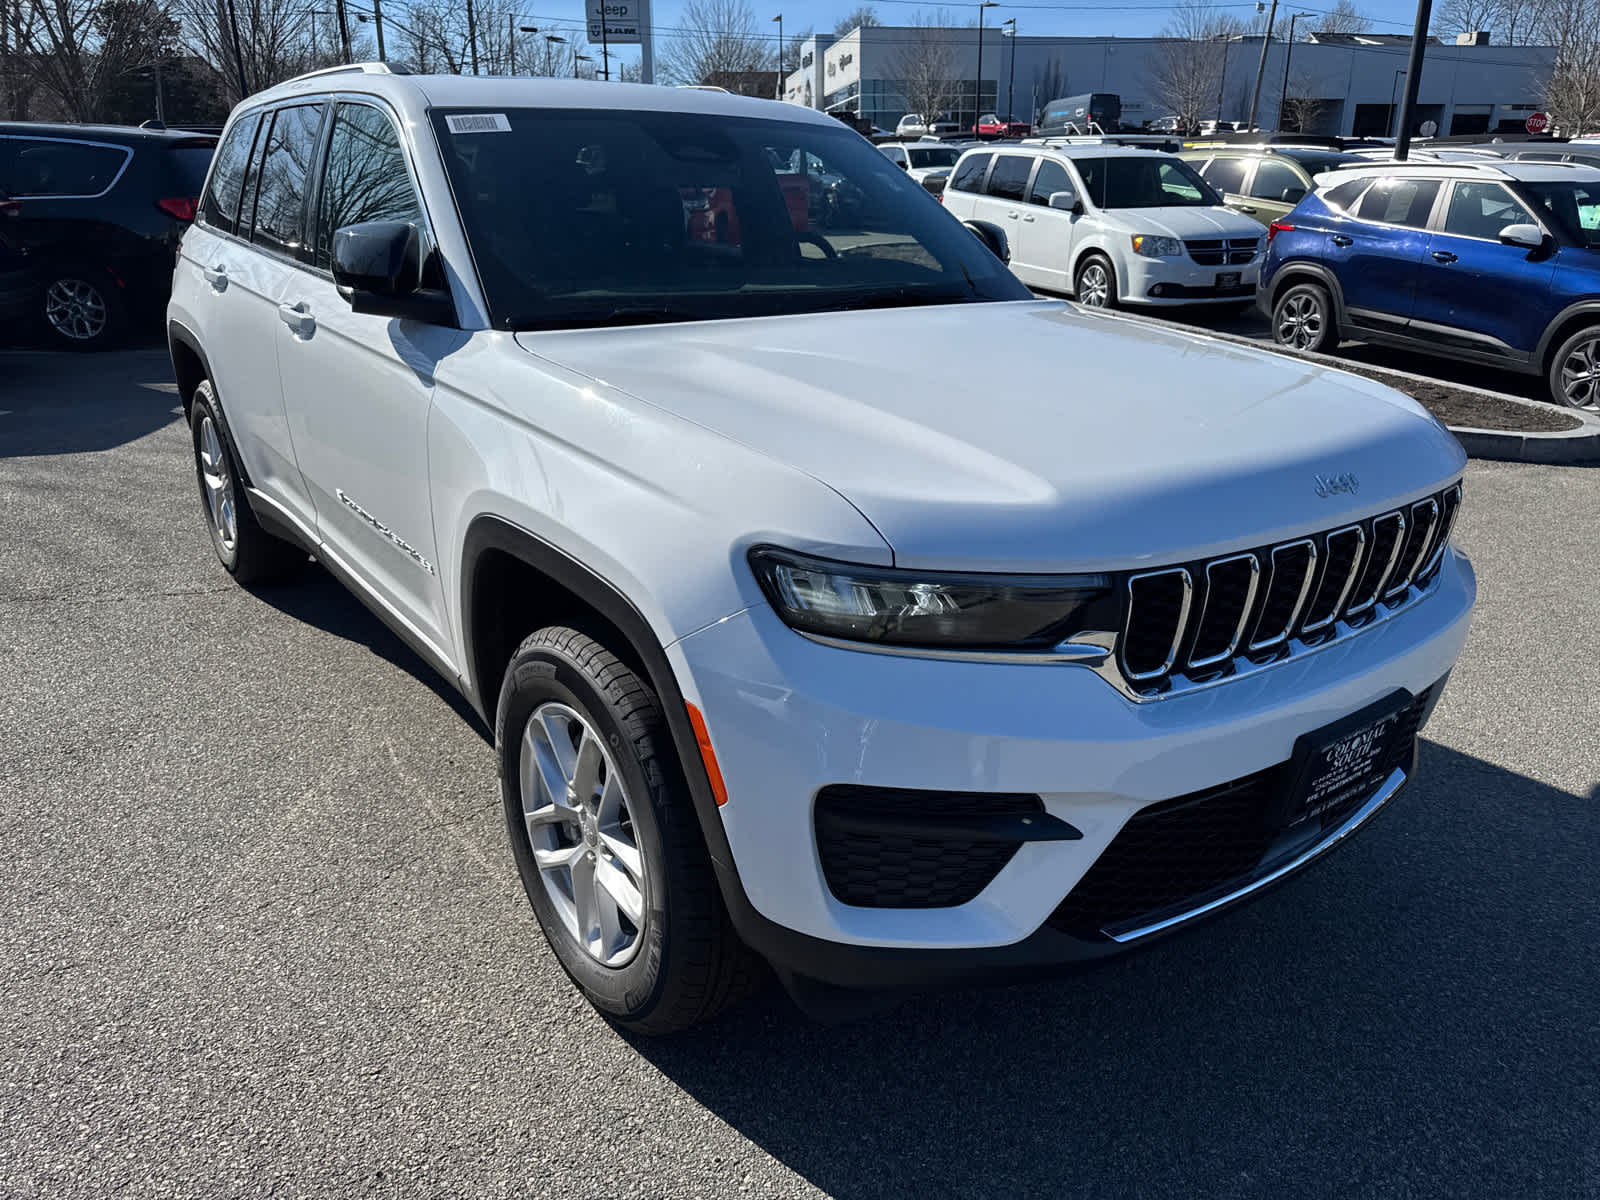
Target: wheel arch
x=190, y=367
x=1296, y=272
x=1562, y=326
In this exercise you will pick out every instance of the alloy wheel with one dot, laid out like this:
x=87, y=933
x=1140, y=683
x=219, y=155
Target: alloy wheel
x=1093, y=286
x=75, y=309
x=575, y=808
x=1580, y=375
x=1300, y=322
x=218, y=484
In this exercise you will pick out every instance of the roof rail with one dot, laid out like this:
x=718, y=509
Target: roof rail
x=364, y=68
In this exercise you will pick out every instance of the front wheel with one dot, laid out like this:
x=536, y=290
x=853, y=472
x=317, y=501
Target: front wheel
x=1095, y=285
x=606, y=840
x=1574, y=375
x=1302, y=319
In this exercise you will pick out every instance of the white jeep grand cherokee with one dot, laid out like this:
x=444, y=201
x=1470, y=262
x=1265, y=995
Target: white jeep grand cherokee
x=886, y=674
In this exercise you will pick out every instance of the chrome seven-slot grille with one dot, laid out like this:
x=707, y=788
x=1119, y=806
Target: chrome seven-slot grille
x=1214, y=252
x=1198, y=619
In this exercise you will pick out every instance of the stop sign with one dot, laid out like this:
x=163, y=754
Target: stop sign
x=1538, y=122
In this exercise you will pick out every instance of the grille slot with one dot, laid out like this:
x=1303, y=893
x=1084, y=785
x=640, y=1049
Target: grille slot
x=1242, y=250
x=1208, y=252
x=1449, y=506
x=1293, y=568
x=1388, y=533
x=1345, y=548
x=1180, y=853
x=872, y=869
x=1158, y=613
x=1230, y=594
x=1419, y=536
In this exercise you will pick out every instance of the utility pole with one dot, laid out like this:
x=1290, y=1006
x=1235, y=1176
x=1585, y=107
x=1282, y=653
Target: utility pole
x=1222, y=81
x=1419, y=37
x=1261, y=67
x=1011, y=83
x=779, y=20
x=605, y=46
x=377, y=22
x=472, y=33
x=238, y=55
x=161, y=94
x=977, y=95
x=1288, y=56
x=344, y=31
x=511, y=44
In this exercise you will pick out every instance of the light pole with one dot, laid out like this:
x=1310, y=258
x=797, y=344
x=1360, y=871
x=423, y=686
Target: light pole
x=1261, y=67
x=1394, y=110
x=552, y=40
x=472, y=34
x=576, y=59
x=1010, y=27
x=523, y=29
x=1288, y=55
x=1419, y=39
x=977, y=94
x=1222, y=81
x=779, y=20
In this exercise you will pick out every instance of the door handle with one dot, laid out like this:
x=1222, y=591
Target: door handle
x=1443, y=256
x=1027, y=218
x=1246, y=208
x=1012, y=215
x=216, y=277
x=298, y=318
x=1339, y=239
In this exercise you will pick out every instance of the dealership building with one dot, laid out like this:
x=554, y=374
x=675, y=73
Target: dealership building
x=1347, y=84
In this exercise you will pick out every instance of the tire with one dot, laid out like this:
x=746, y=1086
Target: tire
x=1095, y=283
x=1302, y=319
x=80, y=308
x=675, y=960
x=1573, y=376
x=247, y=552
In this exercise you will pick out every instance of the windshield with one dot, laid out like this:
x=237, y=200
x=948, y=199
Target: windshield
x=938, y=156
x=594, y=216
x=1144, y=181
x=1572, y=206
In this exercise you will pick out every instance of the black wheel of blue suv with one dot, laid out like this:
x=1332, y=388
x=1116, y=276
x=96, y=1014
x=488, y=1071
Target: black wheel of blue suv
x=1303, y=319
x=1574, y=375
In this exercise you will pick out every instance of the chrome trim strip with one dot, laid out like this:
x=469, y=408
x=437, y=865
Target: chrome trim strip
x=127, y=157
x=1423, y=542
x=1337, y=610
x=1388, y=567
x=1300, y=602
x=1354, y=821
x=1212, y=660
x=1447, y=527
x=1084, y=648
x=1183, y=620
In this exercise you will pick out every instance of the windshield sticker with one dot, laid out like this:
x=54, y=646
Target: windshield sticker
x=479, y=123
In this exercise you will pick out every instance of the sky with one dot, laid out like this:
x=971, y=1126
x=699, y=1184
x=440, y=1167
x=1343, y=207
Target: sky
x=1071, y=18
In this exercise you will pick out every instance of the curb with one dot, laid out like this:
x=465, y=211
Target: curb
x=1567, y=448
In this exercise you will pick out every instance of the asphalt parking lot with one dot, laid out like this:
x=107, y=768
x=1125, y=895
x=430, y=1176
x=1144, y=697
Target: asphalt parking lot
x=261, y=935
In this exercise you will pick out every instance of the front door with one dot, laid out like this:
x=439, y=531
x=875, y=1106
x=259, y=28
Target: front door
x=1475, y=292
x=1002, y=203
x=1044, y=237
x=358, y=388
x=1273, y=190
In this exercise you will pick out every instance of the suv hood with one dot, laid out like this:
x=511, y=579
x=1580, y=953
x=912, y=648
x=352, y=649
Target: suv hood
x=1209, y=222
x=1033, y=436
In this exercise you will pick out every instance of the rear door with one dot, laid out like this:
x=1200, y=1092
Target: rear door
x=1002, y=202
x=1377, y=253
x=1473, y=290
x=966, y=185
x=1044, y=240
x=358, y=387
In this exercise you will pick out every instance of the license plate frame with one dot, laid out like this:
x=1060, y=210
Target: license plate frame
x=1334, y=764
x=1227, y=281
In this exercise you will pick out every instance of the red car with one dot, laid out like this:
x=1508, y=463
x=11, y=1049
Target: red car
x=991, y=126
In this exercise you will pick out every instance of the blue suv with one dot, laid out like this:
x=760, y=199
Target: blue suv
x=1492, y=263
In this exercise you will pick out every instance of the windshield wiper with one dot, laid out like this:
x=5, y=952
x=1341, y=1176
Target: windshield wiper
x=644, y=314
x=903, y=300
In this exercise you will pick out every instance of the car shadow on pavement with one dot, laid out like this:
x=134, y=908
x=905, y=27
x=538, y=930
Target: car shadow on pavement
x=1415, y=1016
x=320, y=600
x=62, y=403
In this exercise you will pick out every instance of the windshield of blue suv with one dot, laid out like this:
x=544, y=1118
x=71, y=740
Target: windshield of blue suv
x=1144, y=182
x=1572, y=206
x=596, y=216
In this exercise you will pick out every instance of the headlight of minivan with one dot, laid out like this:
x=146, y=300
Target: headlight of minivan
x=1151, y=246
x=932, y=610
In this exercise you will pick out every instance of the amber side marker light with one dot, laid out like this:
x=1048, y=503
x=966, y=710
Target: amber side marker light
x=708, y=756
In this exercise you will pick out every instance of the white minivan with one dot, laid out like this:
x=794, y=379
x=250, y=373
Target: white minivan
x=1110, y=224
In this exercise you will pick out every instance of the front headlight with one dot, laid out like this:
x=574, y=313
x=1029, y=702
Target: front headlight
x=1150, y=246
x=916, y=608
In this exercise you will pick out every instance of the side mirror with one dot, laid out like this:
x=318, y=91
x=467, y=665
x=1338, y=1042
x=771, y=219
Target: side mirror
x=1293, y=195
x=904, y=166
x=1066, y=201
x=992, y=236
x=1523, y=235
x=377, y=266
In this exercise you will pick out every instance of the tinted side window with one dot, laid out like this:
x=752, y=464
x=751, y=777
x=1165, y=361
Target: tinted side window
x=280, y=199
x=1009, y=179
x=1225, y=174
x=220, y=208
x=1399, y=201
x=1346, y=194
x=1277, y=181
x=365, y=178
x=41, y=168
x=1482, y=210
x=1052, y=177
x=969, y=175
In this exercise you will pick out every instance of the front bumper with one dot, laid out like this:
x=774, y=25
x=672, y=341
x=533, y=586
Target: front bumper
x=1172, y=281
x=789, y=717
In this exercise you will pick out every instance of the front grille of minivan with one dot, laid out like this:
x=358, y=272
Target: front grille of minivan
x=1181, y=853
x=1200, y=619
x=1216, y=252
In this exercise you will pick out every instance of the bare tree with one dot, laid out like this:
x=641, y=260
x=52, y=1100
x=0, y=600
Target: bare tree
x=718, y=36
x=925, y=65
x=1185, y=69
x=1344, y=17
x=1301, y=105
x=863, y=17
x=1572, y=89
x=252, y=44
x=1464, y=16
x=1520, y=21
x=79, y=49
x=17, y=81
